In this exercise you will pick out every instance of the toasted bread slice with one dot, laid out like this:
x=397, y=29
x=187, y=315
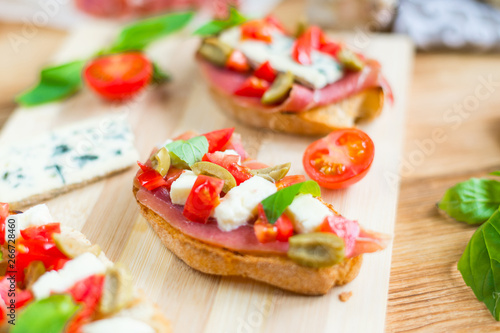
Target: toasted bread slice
x=318, y=121
x=275, y=270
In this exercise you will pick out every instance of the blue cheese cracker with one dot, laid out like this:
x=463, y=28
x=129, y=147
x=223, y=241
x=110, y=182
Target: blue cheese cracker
x=64, y=159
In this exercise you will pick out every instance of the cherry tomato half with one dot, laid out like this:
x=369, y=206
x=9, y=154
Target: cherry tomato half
x=203, y=198
x=120, y=76
x=340, y=159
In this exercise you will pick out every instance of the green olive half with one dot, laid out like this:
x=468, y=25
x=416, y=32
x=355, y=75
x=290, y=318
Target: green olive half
x=316, y=250
x=161, y=161
x=118, y=290
x=279, y=90
x=214, y=170
x=215, y=51
x=350, y=60
x=33, y=272
x=72, y=248
x=273, y=174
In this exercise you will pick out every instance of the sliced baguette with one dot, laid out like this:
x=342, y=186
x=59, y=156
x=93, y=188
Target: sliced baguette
x=318, y=121
x=275, y=270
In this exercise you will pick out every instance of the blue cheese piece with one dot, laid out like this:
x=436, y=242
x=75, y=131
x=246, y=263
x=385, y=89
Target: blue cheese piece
x=57, y=161
x=323, y=70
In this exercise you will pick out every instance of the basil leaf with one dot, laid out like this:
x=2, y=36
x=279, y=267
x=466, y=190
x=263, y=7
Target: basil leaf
x=48, y=315
x=159, y=76
x=276, y=204
x=55, y=83
x=190, y=151
x=216, y=26
x=480, y=264
x=472, y=201
x=139, y=35
x=495, y=173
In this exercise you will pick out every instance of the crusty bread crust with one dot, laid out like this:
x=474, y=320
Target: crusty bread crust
x=275, y=270
x=321, y=120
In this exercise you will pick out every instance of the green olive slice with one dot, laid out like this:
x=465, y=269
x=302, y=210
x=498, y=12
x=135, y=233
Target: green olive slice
x=317, y=249
x=214, y=170
x=273, y=174
x=118, y=290
x=279, y=90
x=33, y=272
x=350, y=60
x=161, y=161
x=72, y=248
x=215, y=51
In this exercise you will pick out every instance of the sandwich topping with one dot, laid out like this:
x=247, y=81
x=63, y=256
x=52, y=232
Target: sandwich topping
x=213, y=192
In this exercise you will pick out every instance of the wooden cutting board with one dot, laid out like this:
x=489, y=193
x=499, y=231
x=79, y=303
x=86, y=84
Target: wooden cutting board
x=107, y=213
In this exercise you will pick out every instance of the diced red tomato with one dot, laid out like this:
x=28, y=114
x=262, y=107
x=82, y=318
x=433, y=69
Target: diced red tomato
x=290, y=180
x=230, y=163
x=88, y=292
x=285, y=228
x=310, y=40
x=119, y=76
x=340, y=159
x=236, y=145
x=265, y=72
x=151, y=179
x=346, y=229
x=172, y=175
x=22, y=296
x=237, y=62
x=143, y=167
x=253, y=87
x=273, y=21
x=203, y=198
x=218, y=139
x=4, y=213
x=186, y=136
x=331, y=48
x=256, y=29
x=265, y=232
x=42, y=232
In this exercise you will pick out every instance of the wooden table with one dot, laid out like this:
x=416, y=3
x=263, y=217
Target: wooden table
x=443, y=146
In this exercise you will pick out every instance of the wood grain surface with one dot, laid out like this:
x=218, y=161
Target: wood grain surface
x=106, y=211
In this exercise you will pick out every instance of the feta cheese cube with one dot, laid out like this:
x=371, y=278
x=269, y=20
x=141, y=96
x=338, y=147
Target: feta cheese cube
x=307, y=213
x=181, y=187
x=240, y=203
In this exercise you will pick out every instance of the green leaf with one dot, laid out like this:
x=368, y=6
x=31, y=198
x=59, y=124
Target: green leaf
x=495, y=173
x=472, y=201
x=159, y=76
x=276, y=204
x=216, y=26
x=140, y=34
x=480, y=264
x=55, y=83
x=48, y=315
x=190, y=151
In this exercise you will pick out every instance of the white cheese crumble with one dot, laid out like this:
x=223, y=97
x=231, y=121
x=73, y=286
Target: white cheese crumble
x=240, y=203
x=75, y=270
x=323, y=70
x=120, y=324
x=307, y=213
x=67, y=156
x=181, y=187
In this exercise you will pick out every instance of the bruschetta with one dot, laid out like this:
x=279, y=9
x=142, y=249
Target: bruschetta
x=223, y=213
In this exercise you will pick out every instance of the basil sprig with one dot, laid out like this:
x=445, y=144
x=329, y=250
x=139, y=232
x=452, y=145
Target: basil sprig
x=64, y=80
x=186, y=153
x=472, y=201
x=48, y=315
x=495, y=173
x=276, y=204
x=480, y=264
x=215, y=27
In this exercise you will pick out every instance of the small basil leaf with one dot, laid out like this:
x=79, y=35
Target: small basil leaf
x=48, y=315
x=480, y=264
x=159, y=76
x=472, y=201
x=216, y=26
x=139, y=35
x=190, y=151
x=495, y=173
x=276, y=204
x=55, y=83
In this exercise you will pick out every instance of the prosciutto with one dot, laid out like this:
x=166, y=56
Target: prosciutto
x=243, y=240
x=301, y=98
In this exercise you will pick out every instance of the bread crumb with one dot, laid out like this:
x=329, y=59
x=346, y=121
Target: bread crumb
x=344, y=297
